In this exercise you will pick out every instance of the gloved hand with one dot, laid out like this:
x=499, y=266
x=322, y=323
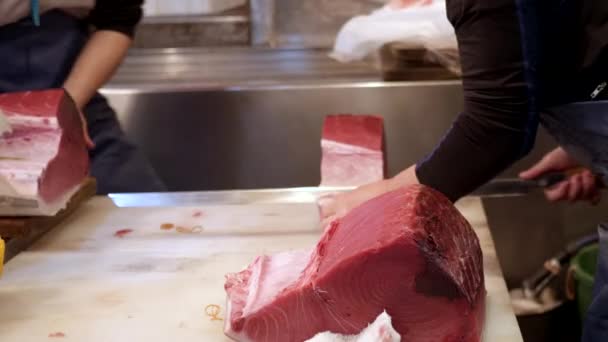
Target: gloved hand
x=582, y=186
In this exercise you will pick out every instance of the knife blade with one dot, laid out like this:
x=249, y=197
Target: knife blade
x=519, y=187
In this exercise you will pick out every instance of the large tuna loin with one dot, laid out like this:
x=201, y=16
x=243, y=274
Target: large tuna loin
x=43, y=155
x=409, y=252
x=352, y=149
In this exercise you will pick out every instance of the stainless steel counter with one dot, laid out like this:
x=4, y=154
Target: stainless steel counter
x=173, y=69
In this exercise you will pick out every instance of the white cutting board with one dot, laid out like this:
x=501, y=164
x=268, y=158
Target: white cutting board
x=84, y=282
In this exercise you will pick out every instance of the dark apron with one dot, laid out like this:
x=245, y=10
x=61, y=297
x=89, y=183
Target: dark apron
x=34, y=58
x=582, y=130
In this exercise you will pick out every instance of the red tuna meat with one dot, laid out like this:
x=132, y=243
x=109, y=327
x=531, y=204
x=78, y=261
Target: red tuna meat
x=352, y=150
x=409, y=252
x=44, y=157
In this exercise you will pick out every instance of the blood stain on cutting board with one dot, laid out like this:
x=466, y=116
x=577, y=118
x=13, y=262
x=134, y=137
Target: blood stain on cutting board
x=121, y=233
x=138, y=267
x=271, y=214
x=111, y=298
x=196, y=229
x=167, y=226
x=58, y=334
x=160, y=265
x=187, y=226
x=190, y=230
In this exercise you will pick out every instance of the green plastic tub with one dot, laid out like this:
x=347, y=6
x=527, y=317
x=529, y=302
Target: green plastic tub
x=583, y=269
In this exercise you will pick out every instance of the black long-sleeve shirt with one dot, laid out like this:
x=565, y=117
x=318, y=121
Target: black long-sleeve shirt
x=518, y=56
x=115, y=15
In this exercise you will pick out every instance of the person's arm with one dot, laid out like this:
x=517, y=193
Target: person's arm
x=102, y=54
x=115, y=23
x=499, y=122
x=498, y=49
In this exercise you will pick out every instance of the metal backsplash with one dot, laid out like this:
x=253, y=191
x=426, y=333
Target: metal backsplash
x=229, y=28
x=304, y=24
x=274, y=23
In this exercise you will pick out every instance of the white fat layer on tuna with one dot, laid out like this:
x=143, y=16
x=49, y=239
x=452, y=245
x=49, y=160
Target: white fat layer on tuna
x=16, y=119
x=41, y=209
x=241, y=337
x=25, y=150
x=338, y=169
x=331, y=146
x=5, y=126
x=6, y=188
x=271, y=274
x=23, y=158
x=381, y=330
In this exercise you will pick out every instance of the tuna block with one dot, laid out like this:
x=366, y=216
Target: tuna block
x=43, y=154
x=408, y=252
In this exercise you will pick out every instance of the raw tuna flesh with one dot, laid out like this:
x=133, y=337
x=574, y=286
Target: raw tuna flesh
x=352, y=150
x=408, y=252
x=380, y=331
x=43, y=155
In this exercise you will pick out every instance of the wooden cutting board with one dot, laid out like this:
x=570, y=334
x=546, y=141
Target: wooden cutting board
x=20, y=231
x=114, y=274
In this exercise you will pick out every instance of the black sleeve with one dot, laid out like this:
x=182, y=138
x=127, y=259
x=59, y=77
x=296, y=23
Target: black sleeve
x=117, y=15
x=499, y=122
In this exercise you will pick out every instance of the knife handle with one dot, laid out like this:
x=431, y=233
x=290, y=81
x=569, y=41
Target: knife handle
x=552, y=178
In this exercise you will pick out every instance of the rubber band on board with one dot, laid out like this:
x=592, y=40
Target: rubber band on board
x=213, y=310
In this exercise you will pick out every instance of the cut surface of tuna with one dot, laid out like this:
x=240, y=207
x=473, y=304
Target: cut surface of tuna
x=380, y=331
x=408, y=252
x=352, y=150
x=43, y=154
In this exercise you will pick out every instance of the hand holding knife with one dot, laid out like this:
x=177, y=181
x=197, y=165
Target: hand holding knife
x=518, y=187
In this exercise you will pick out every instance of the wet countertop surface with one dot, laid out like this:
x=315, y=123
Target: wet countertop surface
x=153, y=269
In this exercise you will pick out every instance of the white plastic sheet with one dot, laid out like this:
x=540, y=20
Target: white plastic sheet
x=419, y=23
x=381, y=330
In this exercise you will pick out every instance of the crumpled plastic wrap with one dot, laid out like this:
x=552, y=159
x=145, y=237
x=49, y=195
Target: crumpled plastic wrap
x=416, y=23
x=381, y=330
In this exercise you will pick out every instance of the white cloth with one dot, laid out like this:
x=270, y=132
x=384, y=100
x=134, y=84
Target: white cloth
x=420, y=23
